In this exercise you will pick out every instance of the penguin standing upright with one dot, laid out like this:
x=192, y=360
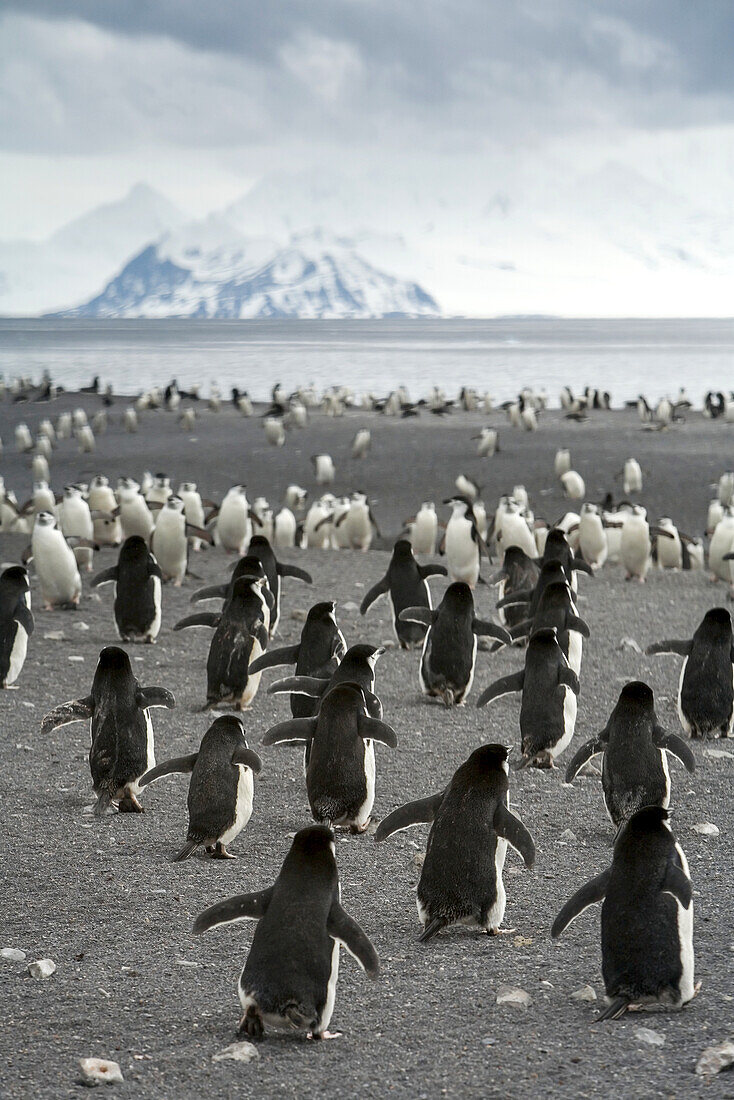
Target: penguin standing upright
x=449, y=654
x=261, y=549
x=170, y=540
x=289, y=979
x=406, y=584
x=122, y=747
x=519, y=573
x=240, y=635
x=16, y=622
x=318, y=653
x=463, y=543
x=136, y=517
x=646, y=917
x=75, y=521
x=234, y=521
x=339, y=743
x=461, y=879
x=58, y=573
x=423, y=529
x=556, y=609
x=635, y=771
x=549, y=688
x=103, y=505
x=220, y=789
x=706, y=687
x=137, y=579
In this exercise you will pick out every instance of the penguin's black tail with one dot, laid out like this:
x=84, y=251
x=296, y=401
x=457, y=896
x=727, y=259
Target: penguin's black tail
x=188, y=849
x=432, y=929
x=614, y=1009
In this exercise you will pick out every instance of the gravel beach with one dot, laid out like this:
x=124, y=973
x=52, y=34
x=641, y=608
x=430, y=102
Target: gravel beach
x=103, y=900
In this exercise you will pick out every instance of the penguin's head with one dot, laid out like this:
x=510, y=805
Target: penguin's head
x=490, y=757
x=133, y=548
x=313, y=841
x=249, y=566
x=716, y=623
x=174, y=504
x=99, y=481
x=649, y=820
x=363, y=652
x=458, y=598
x=187, y=487
x=15, y=577
x=556, y=540
x=322, y=611
x=161, y=481
x=636, y=697
x=544, y=636
x=402, y=550
x=45, y=519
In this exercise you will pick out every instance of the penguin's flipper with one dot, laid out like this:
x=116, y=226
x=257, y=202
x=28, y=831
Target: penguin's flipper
x=593, y=891
x=480, y=626
x=296, y=731
x=585, y=753
x=520, y=630
x=371, y=729
x=676, y=881
x=248, y=757
x=432, y=929
x=521, y=595
x=286, y=655
x=259, y=634
x=581, y=566
x=105, y=576
x=202, y=618
x=614, y=1009
x=682, y=648
x=268, y=597
x=313, y=686
x=194, y=532
x=76, y=710
x=504, y=686
x=213, y=592
x=183, y=764
x=432, y=571
x=676, y=746
x=23, y=615
x=567, y=676
x=380, y=589
x=154, y=697
x=515, y=833
x=422, y=615
x=240, y=907
x=285, y=570
x=154, y=569
x=345, y=929
x=574, y=622
x=420, y=812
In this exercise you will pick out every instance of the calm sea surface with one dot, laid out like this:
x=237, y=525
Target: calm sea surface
x=624, y=357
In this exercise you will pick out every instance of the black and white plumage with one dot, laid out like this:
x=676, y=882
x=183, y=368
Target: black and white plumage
x=557, y=609
x=289, y=979
x=122, y=748
x=137, y=579
x=449, y=652
x=221, y=786
x=635, y=771
x=706, y=688
x=261, y=549
x=646, y=917
x=16, y=622
x=471, y=826
x=406, y=585
x=517, y=576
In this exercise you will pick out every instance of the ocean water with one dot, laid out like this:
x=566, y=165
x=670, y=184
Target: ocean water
x=626, y=358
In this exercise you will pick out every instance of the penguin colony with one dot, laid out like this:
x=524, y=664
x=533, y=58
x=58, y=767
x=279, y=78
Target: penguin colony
x=289, y=977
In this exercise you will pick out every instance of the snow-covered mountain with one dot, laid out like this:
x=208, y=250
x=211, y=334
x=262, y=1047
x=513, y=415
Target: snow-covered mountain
x=40, y=276
x=208, y=269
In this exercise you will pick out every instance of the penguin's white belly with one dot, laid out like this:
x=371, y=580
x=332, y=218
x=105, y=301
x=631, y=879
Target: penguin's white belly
x=569, y=723
x=670, y=553
x=58, y=573
x=169, y=547
x=136, y=519
x=575, y=650
x=462, y=556
x=359, y=529
x=683, y=720
x=685, y=939
x=497, y=911
x=253, y=678
x=17, y=655
x=243, y=805
x=156, y=624
x=423, y=536
x=635, y=551
x=593, y=542
x=233, y=529
x=363, y=814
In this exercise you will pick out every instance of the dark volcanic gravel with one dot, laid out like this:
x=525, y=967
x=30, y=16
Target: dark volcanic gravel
x=104, y=901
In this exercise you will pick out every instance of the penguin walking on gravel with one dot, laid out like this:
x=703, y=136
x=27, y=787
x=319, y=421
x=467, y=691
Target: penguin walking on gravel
x=240, y=635
x=557, y=610
x=53, y=558
x=137, y=579
x=170, y=540
x=122, y=747
x=318, y=653
x=635, y=770
x=340, y=752
x=706, y=687
x=251, y=568
x=463, y=543
x=549, y=688
x=519, y=574
x=261, y=549
x=221, y=787
x=472, y=824
x=646, y=917
x=357, y=666
x=406, y=585
x=289, y=979
x=446, y=669
x=16, y=622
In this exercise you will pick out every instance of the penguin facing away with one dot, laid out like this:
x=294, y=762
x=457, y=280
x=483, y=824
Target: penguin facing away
x=549, y=688
x=519, y=574
x=461, y=879
x=340, y=768
x=261, y=549
x=122, y=748
x=16, y=622
x=221, y=787
x=137, y=579
x=646, y=917
x=706, y=688
x=289, y=979
x=357, y=666
x=634, y=772
x=449, y=653
x=405, y=584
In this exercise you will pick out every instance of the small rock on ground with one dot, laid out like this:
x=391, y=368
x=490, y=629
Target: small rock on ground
x=510, y=995
x=97, y=1071
x=12, y=954
x=647, y=1035
x=715, y=1058
x=706, y=828
x=237, y=1052
x=42, y=968
x=586, y=993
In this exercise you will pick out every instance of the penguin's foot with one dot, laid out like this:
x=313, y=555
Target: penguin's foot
x=501, y=931
x=14, y=687
x=318, y=1035
x=220, y=852
x=130, y=805
x=357, y=830
x=251, y=1024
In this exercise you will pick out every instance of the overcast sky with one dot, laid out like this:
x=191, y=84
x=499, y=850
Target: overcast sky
x=201, y=98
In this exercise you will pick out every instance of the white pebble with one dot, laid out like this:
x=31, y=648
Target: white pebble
x=647, y=1035
x=100, y=1070
x=237, y=1052
x=509, y=995
x=12, y=954
x=706, y=828
x=43, y=968
x=586, y=993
